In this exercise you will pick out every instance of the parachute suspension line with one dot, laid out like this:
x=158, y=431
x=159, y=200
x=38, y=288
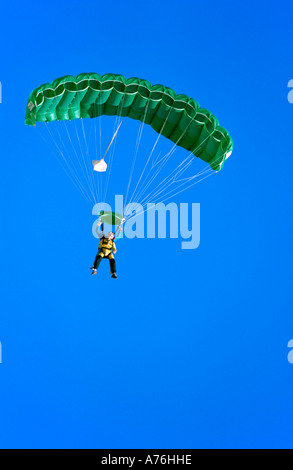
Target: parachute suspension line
x=73, y=147
x=148, y=159
x=87, y=158
x=169, y=180
x=134, y=159
x=75, y=153
x=109, y=162
x=84, y=162
x=69, y=172
x=117, y=125
x=70, y=165
x=207, y=171
x=100, y=129
x=191, y=154
x=111, y=159
x=173, y=195
x=114, y=135
x=117, y=229
x=169, y=154
x=138, y=137
x=56, y=153
x=96, y=153
x=156, y=195
x=150, y=155
x=83, y=148
x=98, y=145
x=93, y=137
x=207, y=168
x=147, y=184
x=170, y=193
x=62, y=143
x=74, y=150
x=138, y=140
x=164, y=160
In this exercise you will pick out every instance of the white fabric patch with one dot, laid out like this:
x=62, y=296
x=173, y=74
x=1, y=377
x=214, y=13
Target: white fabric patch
x=228, y=155
x=100, y=165
x=30, y=105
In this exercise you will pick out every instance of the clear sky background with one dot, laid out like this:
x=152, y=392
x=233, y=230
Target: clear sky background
x=187, y=349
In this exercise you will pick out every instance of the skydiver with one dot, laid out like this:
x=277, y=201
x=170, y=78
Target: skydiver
x=107, y=249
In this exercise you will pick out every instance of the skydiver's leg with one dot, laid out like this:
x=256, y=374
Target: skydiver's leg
x=98, y=259
x=112, y=266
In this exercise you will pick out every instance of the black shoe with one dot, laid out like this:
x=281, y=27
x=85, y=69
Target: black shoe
x=114, y=276
x=94, y=271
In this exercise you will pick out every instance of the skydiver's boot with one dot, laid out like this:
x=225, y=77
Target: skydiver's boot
x=94, y=271
x=114, y=276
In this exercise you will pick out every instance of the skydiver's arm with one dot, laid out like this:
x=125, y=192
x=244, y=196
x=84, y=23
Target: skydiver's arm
x=119, y=233
x=118, y=236
x=98, y=230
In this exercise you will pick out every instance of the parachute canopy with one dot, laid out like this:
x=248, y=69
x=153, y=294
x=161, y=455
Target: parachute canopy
x=179, y=118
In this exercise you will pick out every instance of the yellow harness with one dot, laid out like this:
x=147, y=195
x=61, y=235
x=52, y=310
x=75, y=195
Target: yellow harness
x=106, y=247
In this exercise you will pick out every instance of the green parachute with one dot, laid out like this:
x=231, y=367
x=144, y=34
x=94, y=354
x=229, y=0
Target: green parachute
x=179, y=118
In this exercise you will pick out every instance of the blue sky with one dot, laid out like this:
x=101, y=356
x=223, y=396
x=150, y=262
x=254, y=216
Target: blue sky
x=188, y=349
